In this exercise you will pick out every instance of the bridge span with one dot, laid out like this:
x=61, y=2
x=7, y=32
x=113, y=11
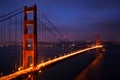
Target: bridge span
x=47, y=63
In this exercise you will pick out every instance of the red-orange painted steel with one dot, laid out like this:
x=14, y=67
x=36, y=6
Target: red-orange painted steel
x=32, y=52
x=98, y=39
x=98, y=43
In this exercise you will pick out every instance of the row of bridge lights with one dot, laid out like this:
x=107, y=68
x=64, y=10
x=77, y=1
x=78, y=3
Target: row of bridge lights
x=42, y=61
x=20, y=68
x=49, y=60
x=53, y=58
x=41, y=65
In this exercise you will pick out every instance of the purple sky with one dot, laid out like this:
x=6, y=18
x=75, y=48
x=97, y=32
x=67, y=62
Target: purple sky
x=77, y=19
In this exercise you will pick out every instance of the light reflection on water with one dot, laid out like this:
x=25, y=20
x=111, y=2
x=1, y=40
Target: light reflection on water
x=92, y=72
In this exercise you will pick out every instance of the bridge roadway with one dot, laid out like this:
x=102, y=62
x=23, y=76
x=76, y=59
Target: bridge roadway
x=39, y=66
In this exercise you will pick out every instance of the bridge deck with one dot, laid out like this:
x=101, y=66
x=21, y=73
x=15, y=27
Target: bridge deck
x=39, y=66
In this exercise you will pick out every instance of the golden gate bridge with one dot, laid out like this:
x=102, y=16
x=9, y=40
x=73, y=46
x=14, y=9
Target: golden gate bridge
x=38, y=31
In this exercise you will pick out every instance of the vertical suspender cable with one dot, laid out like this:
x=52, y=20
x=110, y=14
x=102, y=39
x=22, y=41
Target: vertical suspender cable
x=42, y=29
x=9, y=30
x=38, y=31
x=0, y=39
x=21, y=39
x=16, y=46
x=45, y=34
x=4, y=35
x=9, y=33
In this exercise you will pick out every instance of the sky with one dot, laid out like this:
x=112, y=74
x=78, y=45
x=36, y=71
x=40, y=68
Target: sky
x=77, y=19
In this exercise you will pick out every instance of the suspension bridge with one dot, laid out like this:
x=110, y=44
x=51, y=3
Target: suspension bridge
x=25, y=36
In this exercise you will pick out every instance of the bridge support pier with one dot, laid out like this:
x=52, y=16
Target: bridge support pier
x=32, y=76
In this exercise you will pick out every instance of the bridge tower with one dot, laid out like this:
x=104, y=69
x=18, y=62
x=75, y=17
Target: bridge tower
x=98, y=40
x=29, y=54
x=98, y=43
